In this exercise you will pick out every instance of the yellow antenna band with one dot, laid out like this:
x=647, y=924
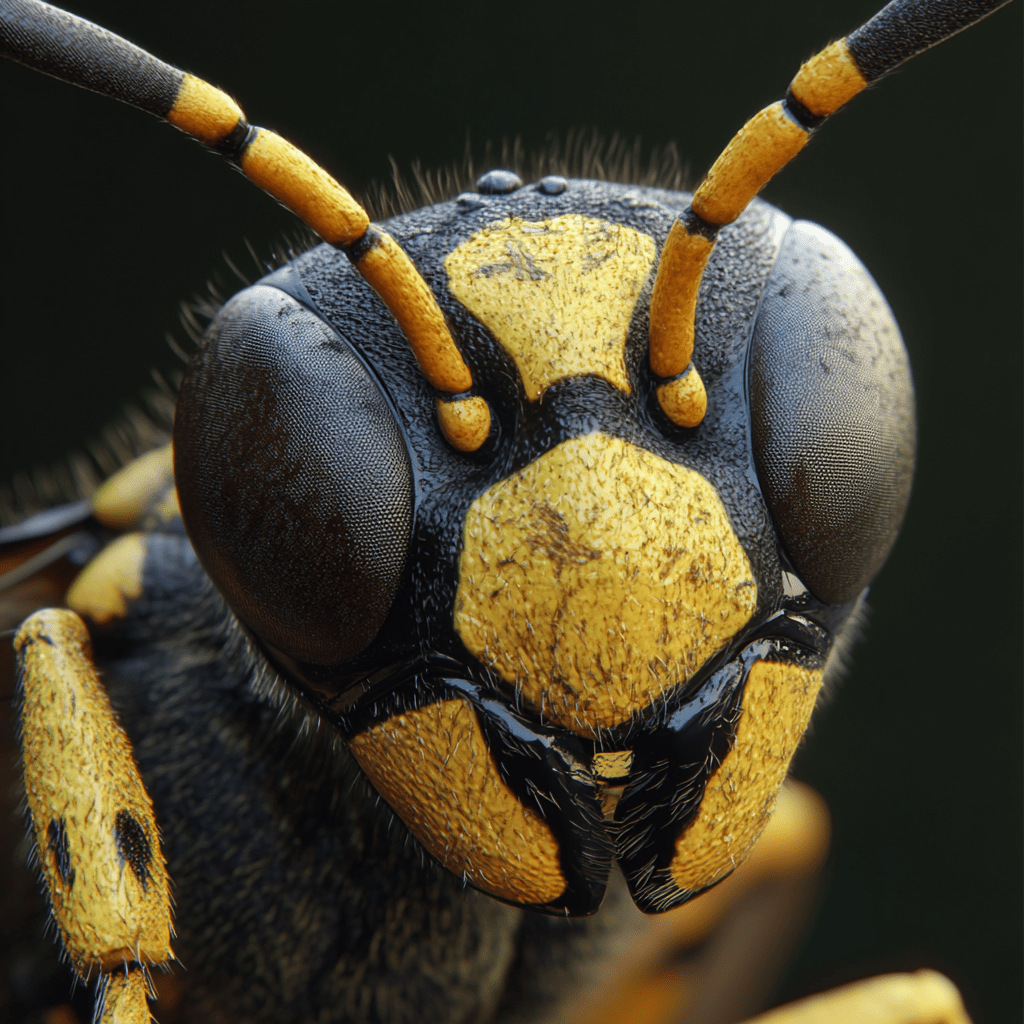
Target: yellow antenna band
x=204, y=112
x=392, y=275
x=77, y=51
x=761, y=148
x=307, y=190
x=674, y=300
x=828, y=80
x=300, y=185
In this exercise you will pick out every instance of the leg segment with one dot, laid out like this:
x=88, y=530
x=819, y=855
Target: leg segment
x=95, y=837
x=925, y=997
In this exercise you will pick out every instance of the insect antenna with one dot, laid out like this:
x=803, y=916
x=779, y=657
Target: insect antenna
x=76, y=51
x=761, y=148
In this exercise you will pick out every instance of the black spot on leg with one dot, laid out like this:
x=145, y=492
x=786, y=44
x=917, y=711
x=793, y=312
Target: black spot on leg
x=133, y=846
x=57, y=844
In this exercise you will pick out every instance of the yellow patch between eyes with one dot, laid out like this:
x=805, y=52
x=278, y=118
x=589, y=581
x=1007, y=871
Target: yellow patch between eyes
x=557, y=294
x=740, y=796
x=432, y=765
x=598, y=577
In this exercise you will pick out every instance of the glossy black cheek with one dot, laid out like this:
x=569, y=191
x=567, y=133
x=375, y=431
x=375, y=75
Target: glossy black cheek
x=294, y=479
x=832, y=414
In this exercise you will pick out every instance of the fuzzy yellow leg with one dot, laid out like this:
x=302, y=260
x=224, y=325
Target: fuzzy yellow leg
x=95, y=836
x=139, y=494
x=925, y=997
x=122, y=998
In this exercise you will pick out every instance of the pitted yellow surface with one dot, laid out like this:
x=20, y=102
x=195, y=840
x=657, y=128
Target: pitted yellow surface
x=104, y=587
x=557, y=294
x=740, y=796
x=684, y=400
x=760, y=149
x=466, y=424
x=387, y=269
x=598, y=577
x=828, y=80
x=432, y=765
x=204, y=112
x=124, y=999
x=110, y=898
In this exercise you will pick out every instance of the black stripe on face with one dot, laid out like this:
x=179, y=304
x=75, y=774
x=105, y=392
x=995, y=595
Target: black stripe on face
x=750, y=736
x=544, y=767
x=667, y=778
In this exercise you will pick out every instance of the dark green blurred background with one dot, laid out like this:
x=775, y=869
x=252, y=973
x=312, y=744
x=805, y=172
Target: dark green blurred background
x=110, y=218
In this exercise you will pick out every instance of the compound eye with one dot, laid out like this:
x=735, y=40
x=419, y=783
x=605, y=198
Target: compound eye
x=832, y=414
x=294, y=479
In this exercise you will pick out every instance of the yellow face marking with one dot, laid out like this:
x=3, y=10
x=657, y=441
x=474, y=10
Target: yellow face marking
x=109, y=895
x=113, y=578
x=432, y=765
x=124, y=499
x=740, y=796
x=557, y=294
x=597, y=578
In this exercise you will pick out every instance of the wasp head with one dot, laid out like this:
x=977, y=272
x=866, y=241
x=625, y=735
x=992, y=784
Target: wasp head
x=600, y=635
